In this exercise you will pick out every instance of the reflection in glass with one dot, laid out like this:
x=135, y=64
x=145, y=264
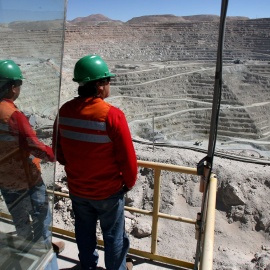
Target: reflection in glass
x=31, y=40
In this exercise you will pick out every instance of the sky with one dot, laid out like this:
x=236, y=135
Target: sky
x=124, y=10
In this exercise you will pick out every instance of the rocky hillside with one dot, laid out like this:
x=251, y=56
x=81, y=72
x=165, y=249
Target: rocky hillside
x=170, y=18
x=92, y=18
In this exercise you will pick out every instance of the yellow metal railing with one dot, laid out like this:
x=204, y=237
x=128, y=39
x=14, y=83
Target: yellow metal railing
x=158, y=167
x=207, y=243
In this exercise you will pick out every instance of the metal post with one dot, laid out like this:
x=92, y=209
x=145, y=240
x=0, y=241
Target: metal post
x=153, y=124
x=218, y=83
x=208, y=244
x=155, y=211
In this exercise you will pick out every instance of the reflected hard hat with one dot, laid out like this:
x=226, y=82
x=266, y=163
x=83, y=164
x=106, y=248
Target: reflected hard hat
x=91, y=68
x=9, y=71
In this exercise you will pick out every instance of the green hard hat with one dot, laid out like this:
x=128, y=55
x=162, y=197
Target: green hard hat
x=9, y=71
x=91, y=68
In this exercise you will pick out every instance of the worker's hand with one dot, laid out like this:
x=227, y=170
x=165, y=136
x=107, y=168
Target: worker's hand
x=126, y=189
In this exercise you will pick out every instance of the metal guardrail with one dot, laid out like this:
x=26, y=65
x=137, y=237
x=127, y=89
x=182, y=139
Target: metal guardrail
x=207, y=244
x=209, y=220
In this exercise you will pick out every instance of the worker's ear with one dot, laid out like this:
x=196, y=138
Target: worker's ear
x=11, y=92
x=100, y=89
x=12, y=89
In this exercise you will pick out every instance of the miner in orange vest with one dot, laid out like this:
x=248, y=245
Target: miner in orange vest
x=95, y=146
x=21, y=184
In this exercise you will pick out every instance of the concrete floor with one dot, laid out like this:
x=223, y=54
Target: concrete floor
x=68, y=259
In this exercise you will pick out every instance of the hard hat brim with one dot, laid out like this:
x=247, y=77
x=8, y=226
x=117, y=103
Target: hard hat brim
x=88, y=79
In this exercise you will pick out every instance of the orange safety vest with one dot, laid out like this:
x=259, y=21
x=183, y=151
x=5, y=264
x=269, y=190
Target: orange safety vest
x=18, y=169
x=91, y=165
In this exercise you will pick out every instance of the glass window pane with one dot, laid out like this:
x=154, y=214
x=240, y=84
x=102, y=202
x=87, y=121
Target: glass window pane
x=31, y=48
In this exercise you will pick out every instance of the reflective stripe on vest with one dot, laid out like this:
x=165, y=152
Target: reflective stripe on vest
x=87, y=124
x=84, y=137
x=4, y=127
x=30, y=159
x=82, y=123
x=7, y=138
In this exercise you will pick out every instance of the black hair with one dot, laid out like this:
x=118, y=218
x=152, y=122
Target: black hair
x=90, y=89
x=6, y=86
x=17, y=83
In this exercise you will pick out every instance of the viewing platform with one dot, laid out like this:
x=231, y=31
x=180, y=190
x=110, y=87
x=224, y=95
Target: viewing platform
x=68, y=258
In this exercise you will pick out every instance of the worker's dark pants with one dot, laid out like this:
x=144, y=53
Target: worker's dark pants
x=32, y=202
x=110, y=212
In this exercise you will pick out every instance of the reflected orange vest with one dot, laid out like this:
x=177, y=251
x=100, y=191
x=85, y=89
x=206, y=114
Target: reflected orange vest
x=18, y=169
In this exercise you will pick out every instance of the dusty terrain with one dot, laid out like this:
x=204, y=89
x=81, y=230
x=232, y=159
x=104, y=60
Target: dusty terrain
x=242, y=215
